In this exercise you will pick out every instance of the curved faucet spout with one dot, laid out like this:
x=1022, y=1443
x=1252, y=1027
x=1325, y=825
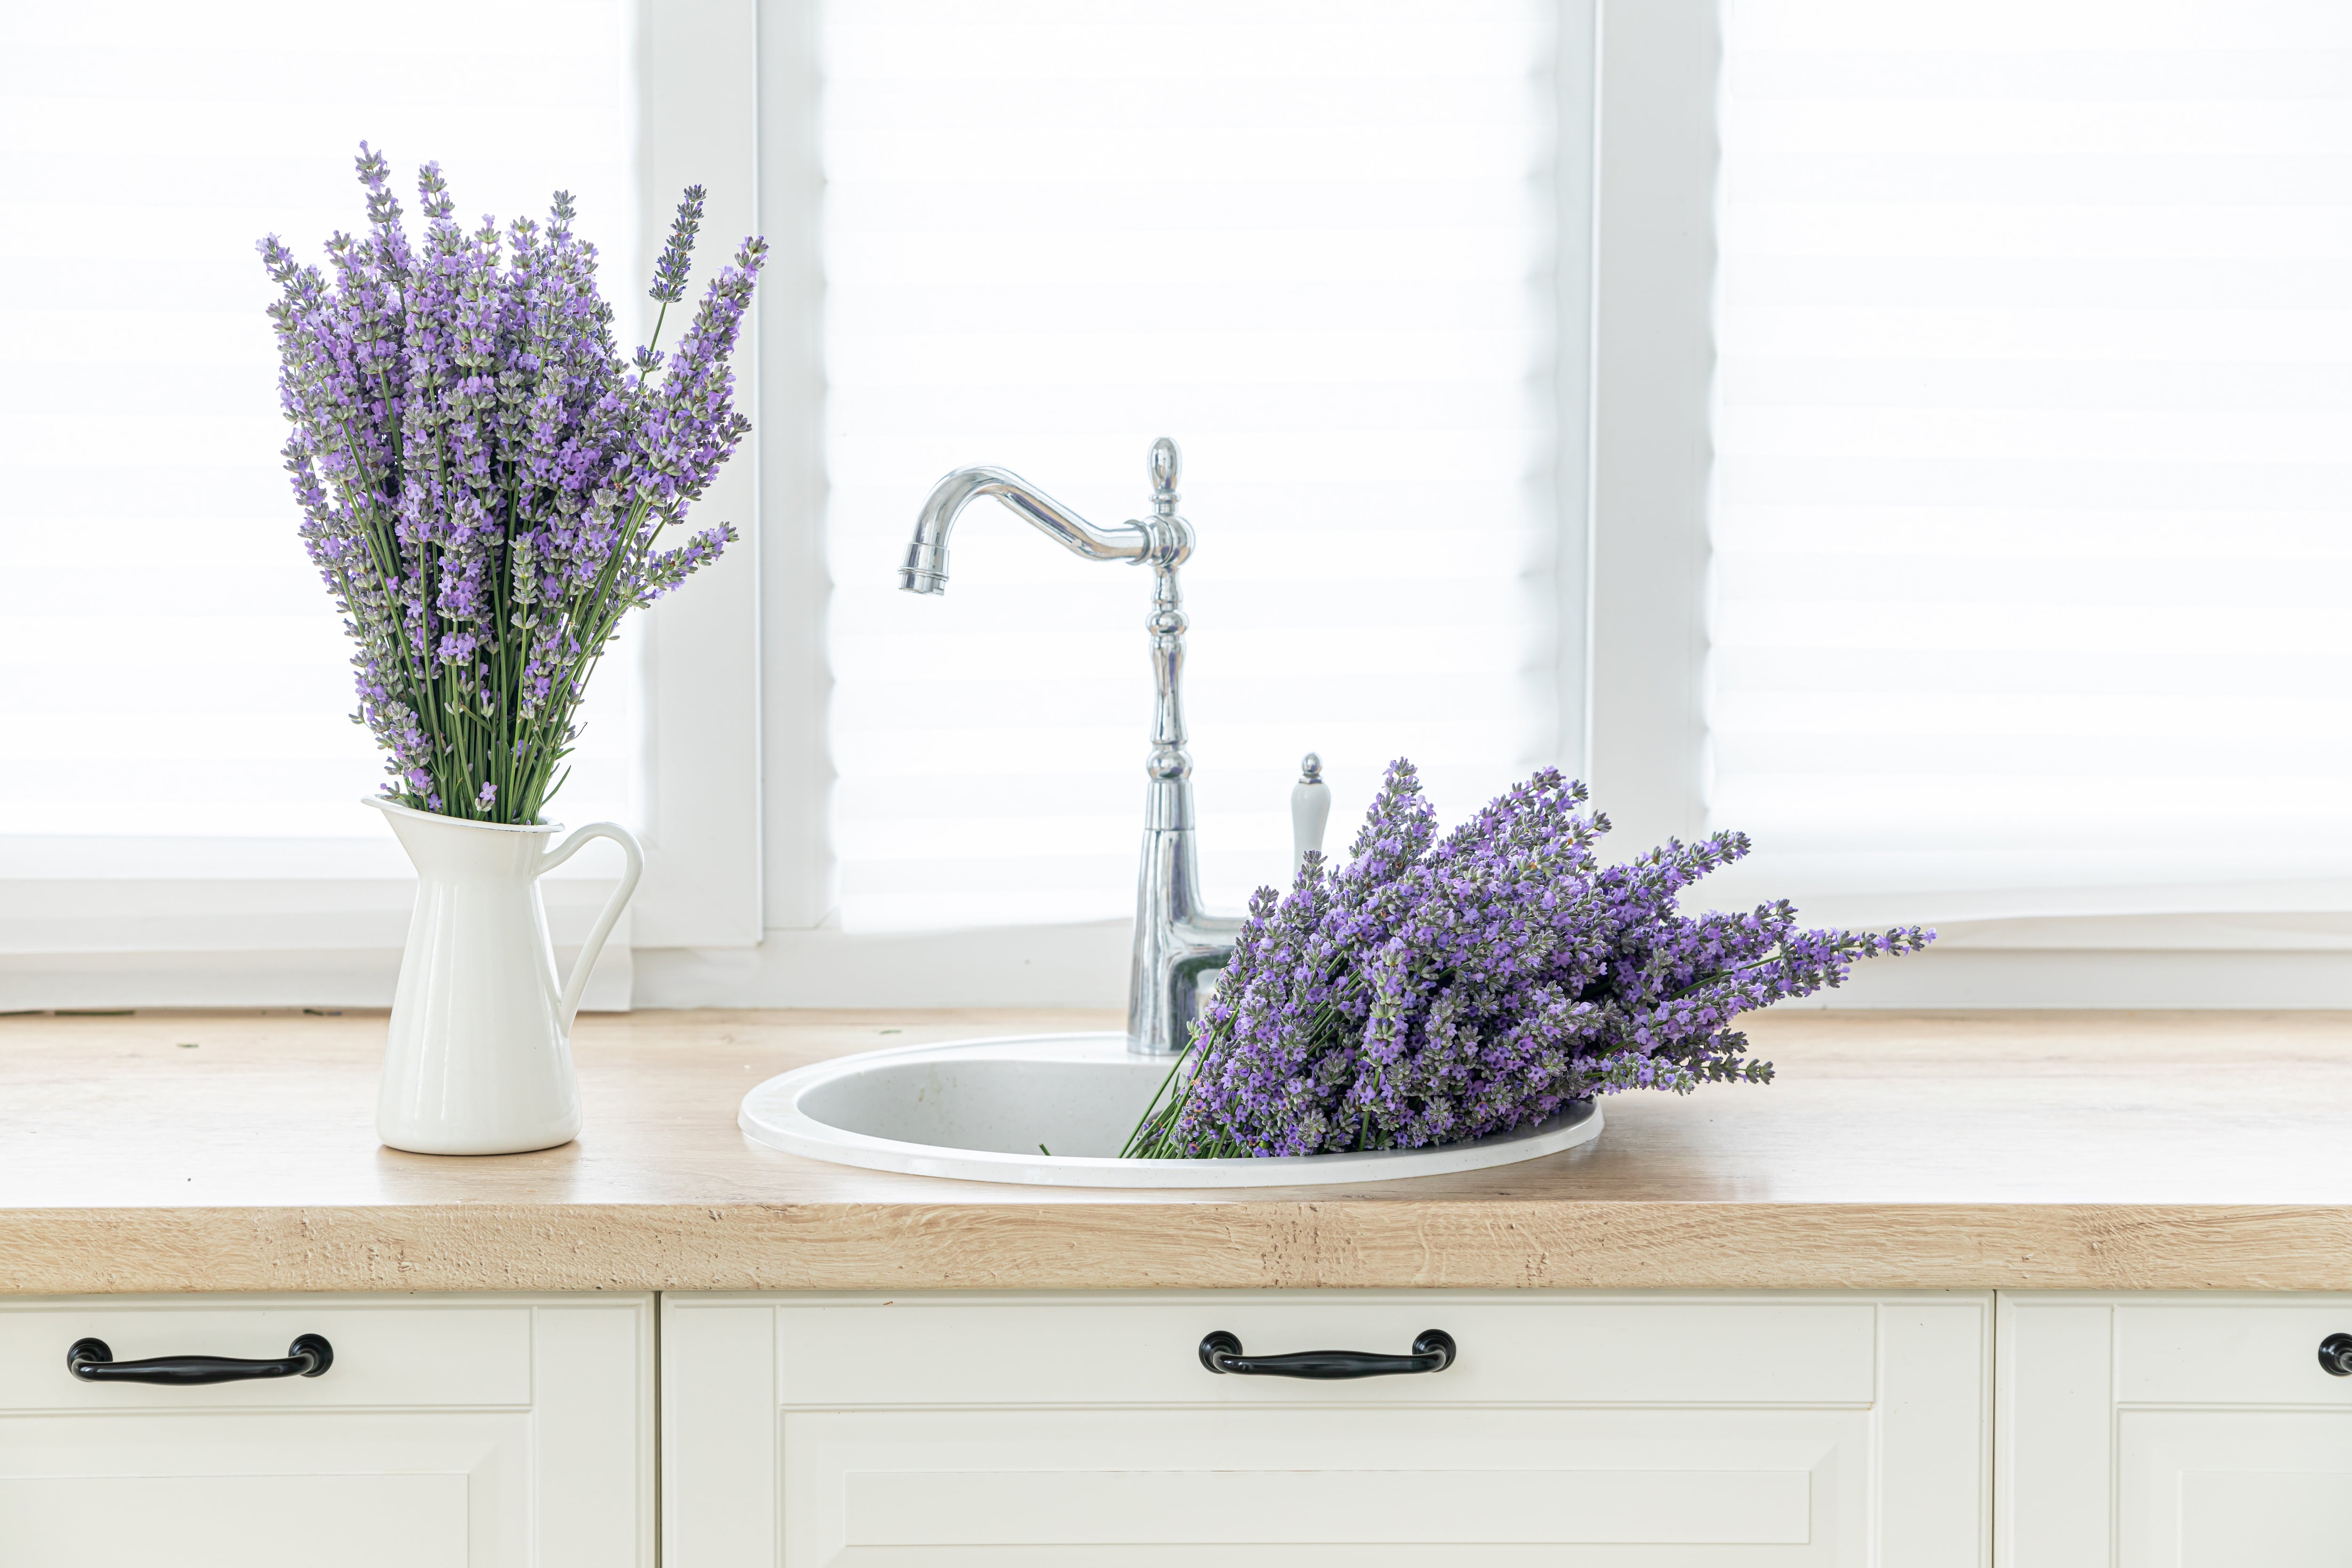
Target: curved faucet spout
x=925, y=571
x=1176, y=942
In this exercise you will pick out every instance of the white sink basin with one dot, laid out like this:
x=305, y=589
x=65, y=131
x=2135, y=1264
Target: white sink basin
x=981, y=1109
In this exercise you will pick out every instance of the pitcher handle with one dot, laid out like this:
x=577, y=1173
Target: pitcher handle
x=568, y=1006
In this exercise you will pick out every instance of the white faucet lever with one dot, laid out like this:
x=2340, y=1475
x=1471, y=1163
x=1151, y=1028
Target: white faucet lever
x=1310, y=809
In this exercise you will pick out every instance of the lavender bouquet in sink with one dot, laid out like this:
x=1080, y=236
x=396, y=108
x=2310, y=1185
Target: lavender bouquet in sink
x=1437, y=990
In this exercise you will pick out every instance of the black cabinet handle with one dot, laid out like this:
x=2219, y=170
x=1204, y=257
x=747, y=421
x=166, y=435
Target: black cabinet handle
x=92, y=1362
x=1432, y=1352
x=2335, y=1354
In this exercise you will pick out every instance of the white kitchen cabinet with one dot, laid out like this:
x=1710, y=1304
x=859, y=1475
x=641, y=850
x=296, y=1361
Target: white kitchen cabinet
x=451, y=1432
x=1670, y=1431
x=2173, y=1431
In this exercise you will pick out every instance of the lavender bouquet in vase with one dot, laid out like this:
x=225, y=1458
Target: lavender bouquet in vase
x=487, y=485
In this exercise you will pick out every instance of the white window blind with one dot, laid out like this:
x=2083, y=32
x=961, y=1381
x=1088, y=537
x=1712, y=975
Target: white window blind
x=169, y=665
x=1309, y=241
x=2033, y=478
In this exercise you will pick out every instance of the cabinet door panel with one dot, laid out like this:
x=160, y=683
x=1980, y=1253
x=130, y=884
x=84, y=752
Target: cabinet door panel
x=213, y=1484
x=2223, y=1489
x=236, y=1521
x=2279, y=1521
x=2172, y=1431
x=1257, y=1485
x=1576, y=1431
x=1092, y=1506
x=517, y=1434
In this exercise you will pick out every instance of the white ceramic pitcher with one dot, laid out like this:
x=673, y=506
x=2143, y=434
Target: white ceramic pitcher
x=479, y=1058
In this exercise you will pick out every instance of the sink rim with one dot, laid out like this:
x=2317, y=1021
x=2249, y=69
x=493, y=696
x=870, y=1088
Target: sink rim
x=770, y=1114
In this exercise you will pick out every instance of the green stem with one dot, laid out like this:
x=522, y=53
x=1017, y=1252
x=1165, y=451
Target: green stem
x=1156, y=1127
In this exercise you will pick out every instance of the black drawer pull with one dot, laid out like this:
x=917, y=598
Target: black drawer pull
x=92, y=1362
x=2335, y=1354
x=1432, y=1352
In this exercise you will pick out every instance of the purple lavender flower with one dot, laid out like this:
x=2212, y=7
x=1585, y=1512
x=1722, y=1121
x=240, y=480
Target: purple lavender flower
x=1434, y=990
x=669, y=272
x=484, y=479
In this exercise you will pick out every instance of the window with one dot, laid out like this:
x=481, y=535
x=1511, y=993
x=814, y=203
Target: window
x=1965, y=390
x=1927, y=527
x=2030, y=532
x=173, y=670
x=1311, y=242
x=178, y=778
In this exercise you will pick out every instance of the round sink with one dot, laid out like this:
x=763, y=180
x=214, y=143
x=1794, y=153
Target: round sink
x=1054, y=1109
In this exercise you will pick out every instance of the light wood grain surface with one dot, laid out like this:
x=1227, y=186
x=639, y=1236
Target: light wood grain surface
x=236, y=1151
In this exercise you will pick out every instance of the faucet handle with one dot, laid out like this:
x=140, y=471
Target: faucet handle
x=1310, y=809
x=1167, y=466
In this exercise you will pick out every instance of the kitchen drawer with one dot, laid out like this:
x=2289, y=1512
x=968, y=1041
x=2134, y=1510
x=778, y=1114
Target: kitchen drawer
x=2229, y=1351
x=990, y=1431
x=477, y=1431
x=2161, y=1431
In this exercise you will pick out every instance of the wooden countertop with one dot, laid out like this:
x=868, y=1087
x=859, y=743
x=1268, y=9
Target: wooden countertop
x=168, y=1152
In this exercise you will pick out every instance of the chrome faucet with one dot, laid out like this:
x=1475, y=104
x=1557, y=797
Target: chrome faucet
x=1175, y=943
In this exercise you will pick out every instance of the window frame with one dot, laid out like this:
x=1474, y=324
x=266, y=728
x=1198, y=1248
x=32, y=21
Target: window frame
x=1652, y=372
